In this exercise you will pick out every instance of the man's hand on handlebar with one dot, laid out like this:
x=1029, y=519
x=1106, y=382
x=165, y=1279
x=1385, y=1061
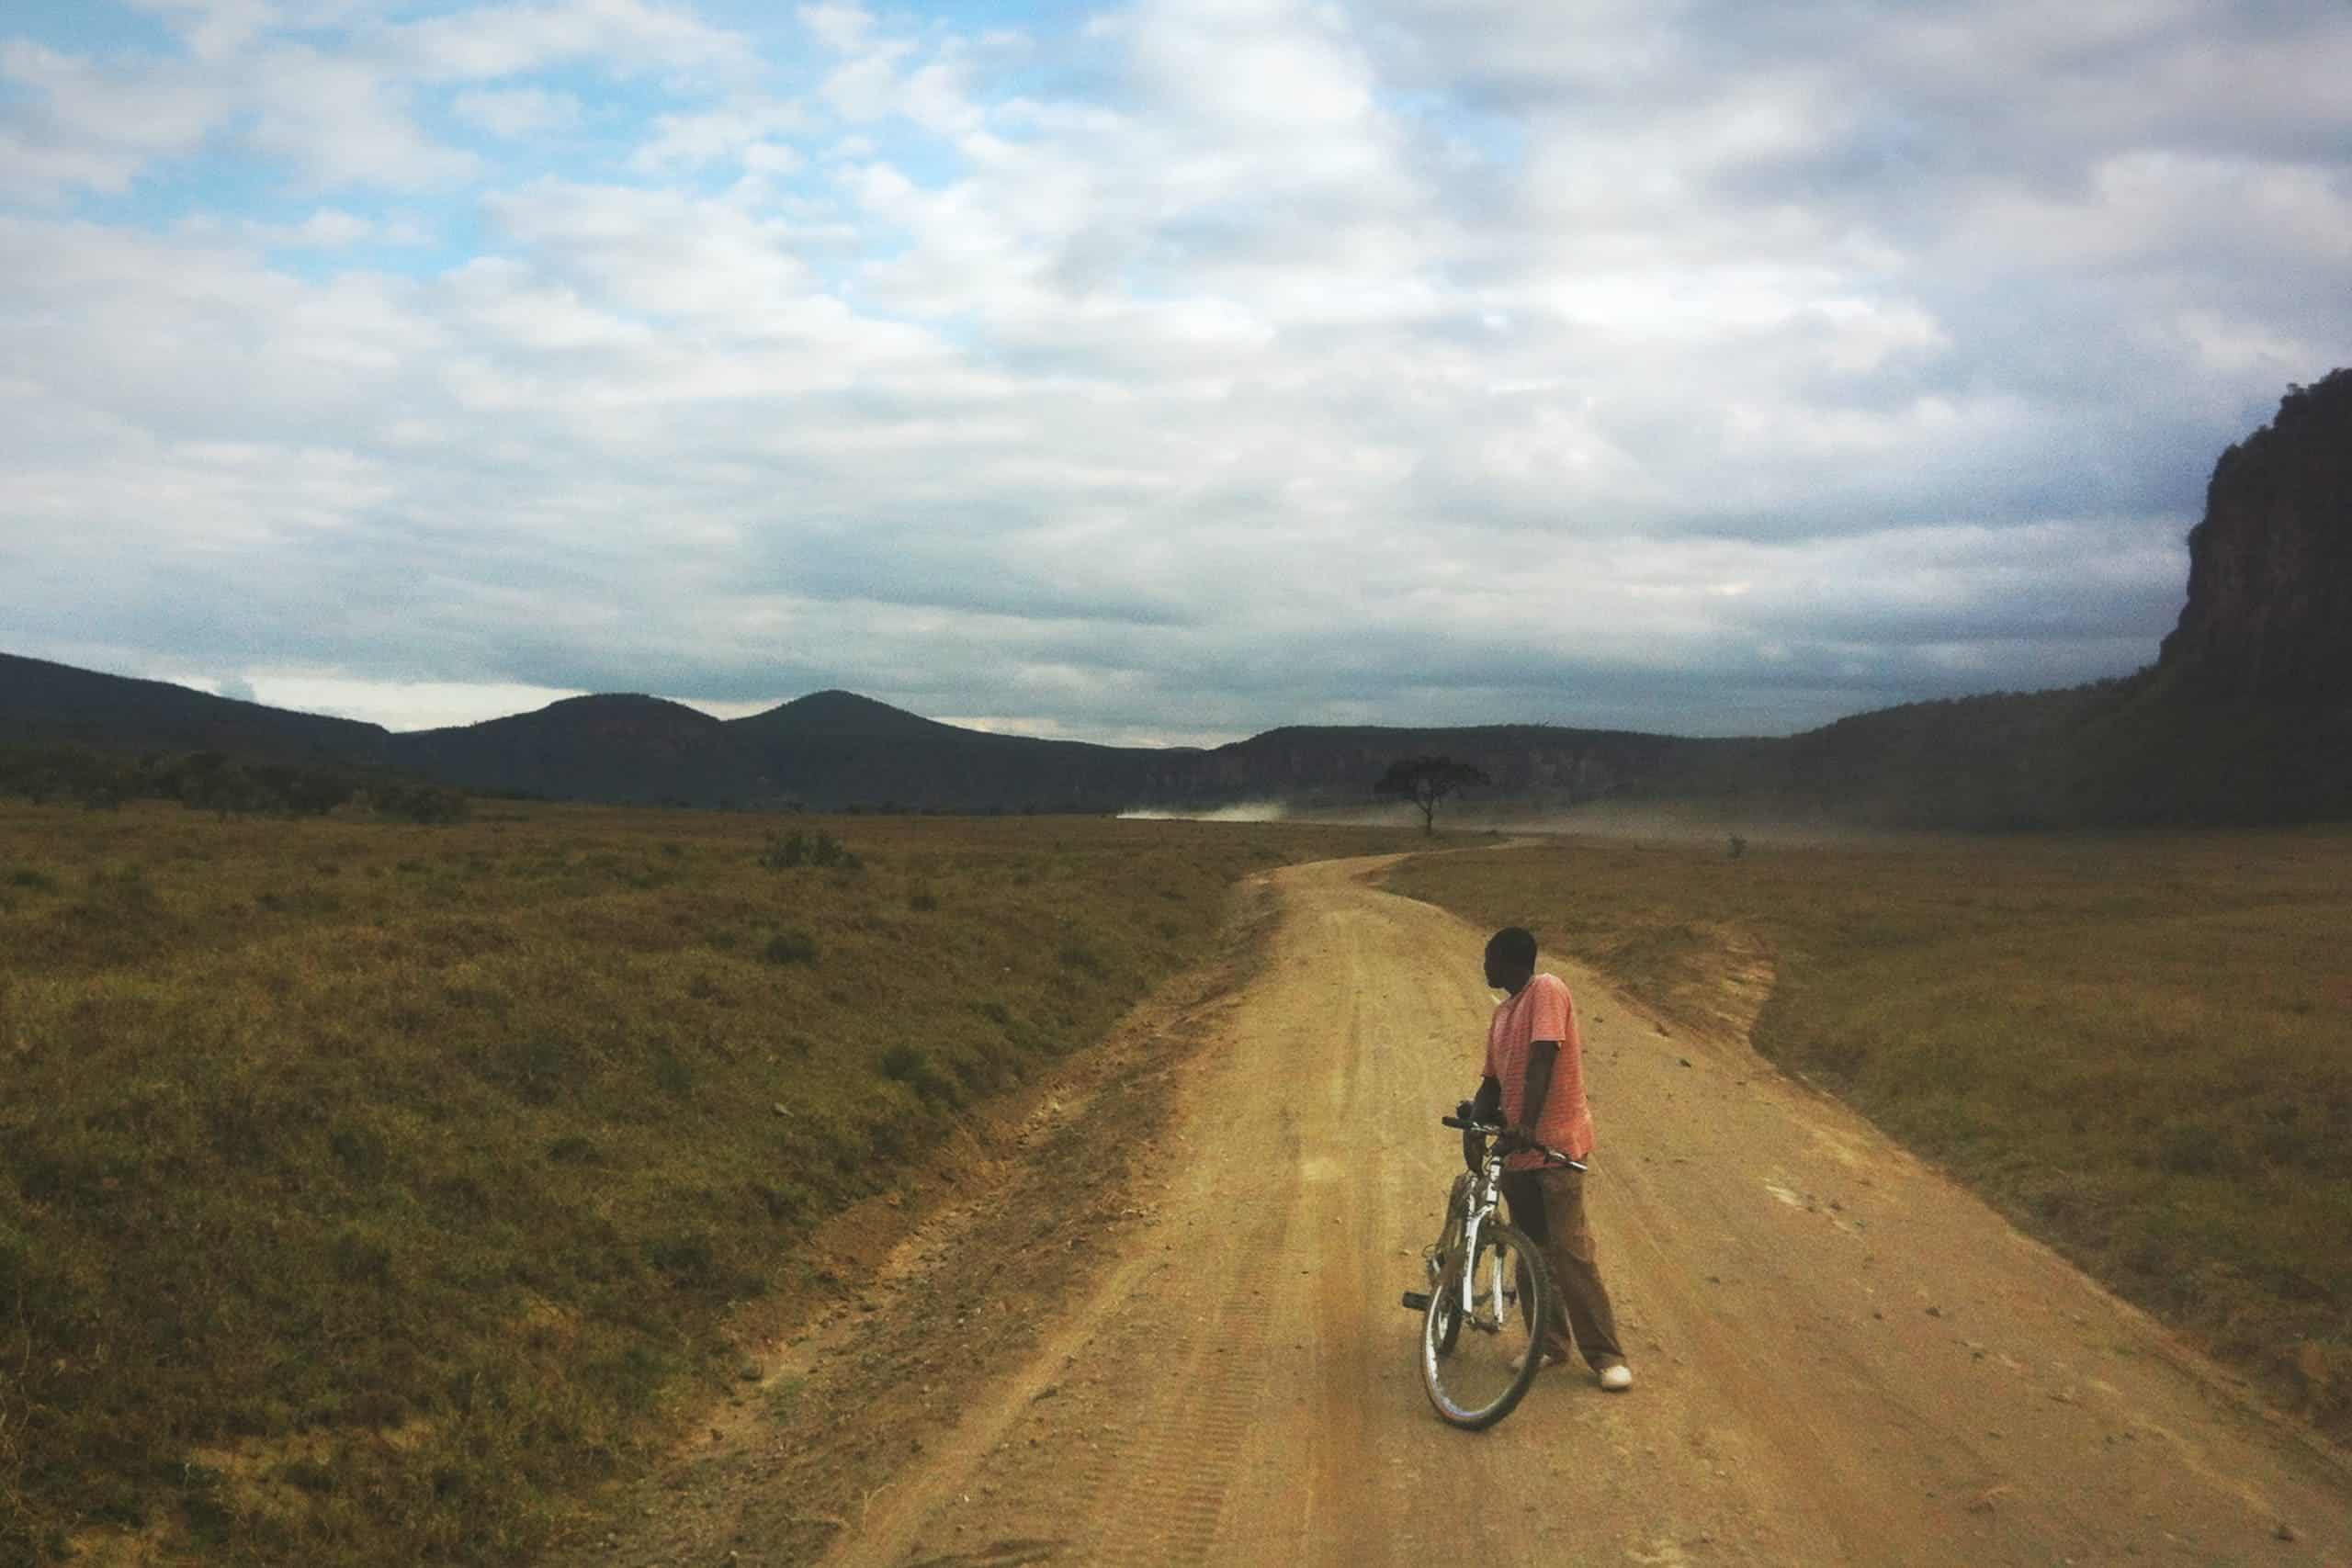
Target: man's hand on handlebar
x=1482, y=1139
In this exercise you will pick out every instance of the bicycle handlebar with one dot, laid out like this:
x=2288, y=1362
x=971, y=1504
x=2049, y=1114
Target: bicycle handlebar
x=1494, y=1129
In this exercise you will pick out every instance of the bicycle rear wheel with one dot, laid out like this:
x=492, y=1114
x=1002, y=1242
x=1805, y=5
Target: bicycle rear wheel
x=1476, y=1362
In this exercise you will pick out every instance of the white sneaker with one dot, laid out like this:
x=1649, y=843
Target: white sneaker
x=1520, y=1361
x=1617, y=1379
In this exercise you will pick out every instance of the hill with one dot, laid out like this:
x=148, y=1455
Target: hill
x=629, y=748
x=43, y=703
x=837, y=749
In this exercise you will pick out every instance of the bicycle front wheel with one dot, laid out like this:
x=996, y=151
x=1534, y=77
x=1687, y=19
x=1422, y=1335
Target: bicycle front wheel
x=1482, y=1348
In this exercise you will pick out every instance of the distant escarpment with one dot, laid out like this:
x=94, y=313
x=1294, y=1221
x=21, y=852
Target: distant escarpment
x=2269, y=612
x=2246, y=717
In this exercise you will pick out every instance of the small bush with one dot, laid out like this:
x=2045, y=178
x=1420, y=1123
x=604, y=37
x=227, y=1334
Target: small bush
x=431, y=805
x=2191, y=1148
x=359, y=1260
x=307, y=1475
x=361, y=1151
x=791, y=947
x=798, y=849
x=534, y=1068
x=687, y=1260
x=912, y=1066
x=633, y=1379
x=204, y=1500
x=782, y=1399
x=783, y=1204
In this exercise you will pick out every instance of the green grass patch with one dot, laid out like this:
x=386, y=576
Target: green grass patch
x=2134, y=1045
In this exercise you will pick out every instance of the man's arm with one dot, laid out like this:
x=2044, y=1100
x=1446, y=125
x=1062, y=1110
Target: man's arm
x=1541, y=1056
x=1488, y=1105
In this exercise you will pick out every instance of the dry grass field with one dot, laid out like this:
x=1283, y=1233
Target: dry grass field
x=366, y=1191
x=2140, y=1047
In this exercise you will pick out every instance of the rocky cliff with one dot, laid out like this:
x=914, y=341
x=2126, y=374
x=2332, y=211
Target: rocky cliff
x=2269, y=610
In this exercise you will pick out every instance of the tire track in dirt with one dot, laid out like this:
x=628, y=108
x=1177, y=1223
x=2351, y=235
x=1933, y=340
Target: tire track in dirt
x=1163, y=1499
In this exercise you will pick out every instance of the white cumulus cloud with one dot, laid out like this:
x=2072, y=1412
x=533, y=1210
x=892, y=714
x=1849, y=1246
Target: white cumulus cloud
x=1200, y=368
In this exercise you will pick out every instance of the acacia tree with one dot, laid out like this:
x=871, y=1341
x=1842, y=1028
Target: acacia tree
x=1425, y=781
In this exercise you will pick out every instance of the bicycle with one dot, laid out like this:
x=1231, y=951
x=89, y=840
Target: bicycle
x=1485, y=1275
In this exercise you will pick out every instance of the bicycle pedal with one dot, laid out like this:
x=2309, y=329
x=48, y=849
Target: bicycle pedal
x=1416, y=1300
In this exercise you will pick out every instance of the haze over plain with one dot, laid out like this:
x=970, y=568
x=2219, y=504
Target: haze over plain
x=1148, y=373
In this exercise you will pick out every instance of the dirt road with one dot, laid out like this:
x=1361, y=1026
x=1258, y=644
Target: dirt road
x=1840, y=1357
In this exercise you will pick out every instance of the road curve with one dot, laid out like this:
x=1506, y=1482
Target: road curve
x=1841, y=1357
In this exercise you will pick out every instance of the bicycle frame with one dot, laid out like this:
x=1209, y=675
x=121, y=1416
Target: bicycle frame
x=1469, y=1208
x=1477, y=1195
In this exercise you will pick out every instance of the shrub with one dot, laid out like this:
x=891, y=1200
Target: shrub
x=428, y=804
x=361, y=1150
x=308, y=1475
x=791, y=947
x=359, y=1259
x=533, y=1068
x=2191, y=1148
x=687, y=1260
x=912, y=1066
x=798, y=849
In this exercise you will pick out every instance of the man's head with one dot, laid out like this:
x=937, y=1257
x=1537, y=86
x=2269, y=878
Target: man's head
x=1511, y=959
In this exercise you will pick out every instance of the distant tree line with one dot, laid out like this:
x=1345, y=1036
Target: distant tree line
x=216, y=782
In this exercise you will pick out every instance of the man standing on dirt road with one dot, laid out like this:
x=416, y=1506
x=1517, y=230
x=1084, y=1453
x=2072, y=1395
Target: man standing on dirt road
x=1535, y=1076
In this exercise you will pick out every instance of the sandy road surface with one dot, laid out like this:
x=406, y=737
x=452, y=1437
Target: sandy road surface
x=1840, y=1357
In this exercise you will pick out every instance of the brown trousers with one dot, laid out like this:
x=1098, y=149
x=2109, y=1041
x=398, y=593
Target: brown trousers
x=1549, y=1206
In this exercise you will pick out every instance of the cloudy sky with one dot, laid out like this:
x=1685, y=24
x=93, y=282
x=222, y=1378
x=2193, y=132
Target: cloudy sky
x=1147, y=372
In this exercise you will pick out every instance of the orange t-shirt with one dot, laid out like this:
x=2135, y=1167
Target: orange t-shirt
x=1542, y=1011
